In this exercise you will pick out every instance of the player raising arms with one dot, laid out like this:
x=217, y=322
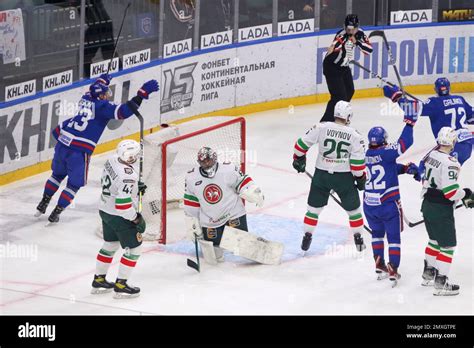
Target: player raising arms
x=340, y=166
x=382, y=207
x=440, y=193
x=213, y=199
x=445, y=110
x=77, y=138
x=122, y=224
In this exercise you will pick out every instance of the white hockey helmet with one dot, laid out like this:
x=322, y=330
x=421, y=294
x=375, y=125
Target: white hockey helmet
x=343, y=110
x=128, y=151
x=447, y=136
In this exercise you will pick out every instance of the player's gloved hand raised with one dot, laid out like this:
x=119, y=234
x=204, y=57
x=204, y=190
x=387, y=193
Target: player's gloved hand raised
x=148, y=88
x=142, y=188
x=393, y=93
x=412, y=169
x=468, y=199
x=359, y=36
x=360, y=182
x=410, y=110
x=299, y=163
x=140, y=223
x=105, y=79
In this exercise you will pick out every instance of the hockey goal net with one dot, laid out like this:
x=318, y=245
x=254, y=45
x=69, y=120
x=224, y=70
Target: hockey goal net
x=169, y=154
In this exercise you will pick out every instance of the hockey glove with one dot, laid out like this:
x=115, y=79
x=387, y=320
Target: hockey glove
x=412, y=169
x=105, y=79
x=360, y=182
x=142, y=188
x=410, y=110
x=140, y=223
x=299, y=163
x=468, y=199
x=148, y=88
x=393, y=93
x=253, y=194
x=193, y=228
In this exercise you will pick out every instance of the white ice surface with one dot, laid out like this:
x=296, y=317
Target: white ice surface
x=55, y=277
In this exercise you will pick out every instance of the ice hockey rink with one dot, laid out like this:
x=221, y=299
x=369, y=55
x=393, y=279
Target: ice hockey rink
x=54, y=277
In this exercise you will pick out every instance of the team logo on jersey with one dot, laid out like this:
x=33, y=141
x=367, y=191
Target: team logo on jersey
x=212, y=194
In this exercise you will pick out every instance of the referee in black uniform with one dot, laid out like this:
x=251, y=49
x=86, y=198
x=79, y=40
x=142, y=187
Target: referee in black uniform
x=336, y=63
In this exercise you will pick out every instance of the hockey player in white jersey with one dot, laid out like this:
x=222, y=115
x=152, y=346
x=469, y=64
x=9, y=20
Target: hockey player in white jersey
x=340, y=166
x=213, y=199
x=122, y=224
x=440, y=193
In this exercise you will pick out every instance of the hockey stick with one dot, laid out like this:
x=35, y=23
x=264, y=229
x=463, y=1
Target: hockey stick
x=413, y=224
x=191, y=263
x=336, y=200
x=380, y=78
x=118, y=37
x=392, y=60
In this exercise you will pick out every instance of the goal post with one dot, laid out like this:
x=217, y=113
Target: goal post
x=171, y=152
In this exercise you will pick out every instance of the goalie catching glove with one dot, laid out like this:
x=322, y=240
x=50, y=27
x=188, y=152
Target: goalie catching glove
x=253, y=194
x=193, y=229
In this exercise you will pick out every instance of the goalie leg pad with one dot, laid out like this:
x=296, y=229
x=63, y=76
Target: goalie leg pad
x=208, y=252
x=251, y=247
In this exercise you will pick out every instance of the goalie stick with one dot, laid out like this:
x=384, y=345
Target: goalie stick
x=195, y=265
x=336, y=200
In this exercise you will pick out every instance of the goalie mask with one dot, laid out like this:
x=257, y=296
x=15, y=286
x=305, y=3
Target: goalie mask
x=207, y=159
x=128, y=151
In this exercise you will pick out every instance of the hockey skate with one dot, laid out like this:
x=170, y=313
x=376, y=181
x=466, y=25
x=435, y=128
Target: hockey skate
x=54, y=217
x=100, y=285
x=429, y=274
x=305, y=244
x=393, y=274
x=443, y=288
x=42, y=206
x=359, y=242
x=380, y=268
x=123, y=290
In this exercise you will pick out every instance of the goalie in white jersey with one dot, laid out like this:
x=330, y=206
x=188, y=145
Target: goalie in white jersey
x=440, y=193
x=340, y=166
x=213, y=198
x=122, y=224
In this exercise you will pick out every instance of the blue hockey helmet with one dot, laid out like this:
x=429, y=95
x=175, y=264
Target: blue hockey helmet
x=377, y=136
x=99, y=88
x=442, y=86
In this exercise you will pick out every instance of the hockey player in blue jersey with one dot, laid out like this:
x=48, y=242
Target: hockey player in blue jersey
x=445, y=110
x=382, y=207
x=77, y=138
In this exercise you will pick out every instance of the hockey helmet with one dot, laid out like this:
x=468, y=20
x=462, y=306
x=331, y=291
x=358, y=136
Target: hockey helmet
x=343, y=110
x=99, y=88
x=207, y=160
x=377, y=136
x=447, y=137
x=442, y=86
x=128, y=151
x=351, y=21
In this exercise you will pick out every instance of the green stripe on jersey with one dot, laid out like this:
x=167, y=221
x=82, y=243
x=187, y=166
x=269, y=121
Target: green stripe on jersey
x=302, y=144
x=355, y=217
x=191, y=198
x=451, y=188
x=357, y=162
x=123, y=200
